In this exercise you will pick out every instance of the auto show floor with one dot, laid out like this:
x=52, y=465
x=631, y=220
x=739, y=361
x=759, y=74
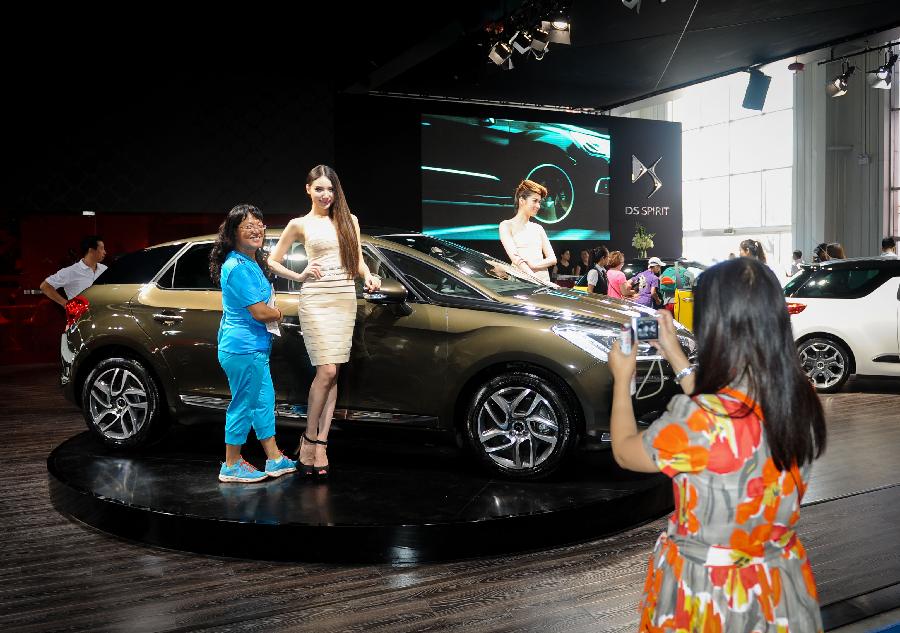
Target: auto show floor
x=59, y=574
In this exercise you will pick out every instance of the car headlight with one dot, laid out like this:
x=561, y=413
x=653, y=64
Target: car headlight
x=597, y=341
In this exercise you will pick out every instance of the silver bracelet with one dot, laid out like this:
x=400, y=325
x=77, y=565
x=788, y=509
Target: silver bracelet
x=684, y=373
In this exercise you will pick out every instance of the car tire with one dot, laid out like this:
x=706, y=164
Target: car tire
x=826, y=363
x=121, y=405
x=520, y=425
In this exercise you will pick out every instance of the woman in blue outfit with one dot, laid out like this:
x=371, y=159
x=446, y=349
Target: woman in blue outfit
x=238, y=264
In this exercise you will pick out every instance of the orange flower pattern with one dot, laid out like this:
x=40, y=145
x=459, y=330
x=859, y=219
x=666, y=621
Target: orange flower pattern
x=730, y=559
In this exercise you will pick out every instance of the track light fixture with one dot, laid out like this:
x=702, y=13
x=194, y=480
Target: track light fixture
x=501, y=54
x=521, y=41
x=838, y=86
x=536, y=24
x=881, y=77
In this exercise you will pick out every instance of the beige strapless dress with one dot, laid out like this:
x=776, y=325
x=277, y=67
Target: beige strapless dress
x=327, y=306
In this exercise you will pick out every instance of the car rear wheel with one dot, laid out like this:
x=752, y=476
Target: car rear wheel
x=826, y=363
x=120, y=402
x=520, y=425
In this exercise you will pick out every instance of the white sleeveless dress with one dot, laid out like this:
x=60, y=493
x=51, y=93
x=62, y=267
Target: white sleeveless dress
x=327, y=307
x=530, y=246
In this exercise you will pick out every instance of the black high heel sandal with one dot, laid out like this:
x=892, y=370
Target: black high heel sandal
x=307, y=470
x=320, y=472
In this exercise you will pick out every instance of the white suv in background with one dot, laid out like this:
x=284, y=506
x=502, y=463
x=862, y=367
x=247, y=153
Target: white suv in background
x=846, y=319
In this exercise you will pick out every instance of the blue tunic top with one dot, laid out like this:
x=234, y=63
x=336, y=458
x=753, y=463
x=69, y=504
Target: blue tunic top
x=243, y=284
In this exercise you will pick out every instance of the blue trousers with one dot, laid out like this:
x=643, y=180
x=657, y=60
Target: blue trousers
x=252, y=396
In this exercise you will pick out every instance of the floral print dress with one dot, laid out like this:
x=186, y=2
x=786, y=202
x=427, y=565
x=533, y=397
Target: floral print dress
x=730, y=559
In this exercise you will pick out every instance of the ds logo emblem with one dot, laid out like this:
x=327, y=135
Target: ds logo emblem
x=639, y=170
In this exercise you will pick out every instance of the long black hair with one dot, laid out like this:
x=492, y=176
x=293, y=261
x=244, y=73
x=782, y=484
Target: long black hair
x=744, y=335
x=227, y=242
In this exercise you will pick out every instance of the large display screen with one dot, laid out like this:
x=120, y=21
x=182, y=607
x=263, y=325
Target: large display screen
x=472, y=166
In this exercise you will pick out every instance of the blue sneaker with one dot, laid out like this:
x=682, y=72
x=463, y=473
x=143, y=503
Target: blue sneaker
x=280, y=466
x=241, y=472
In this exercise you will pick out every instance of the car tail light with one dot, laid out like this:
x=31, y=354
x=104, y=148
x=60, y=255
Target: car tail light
x=795, y=308
x=75, y=308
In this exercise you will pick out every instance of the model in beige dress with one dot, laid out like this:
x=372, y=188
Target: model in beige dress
x=327, y=307
x=526, y=242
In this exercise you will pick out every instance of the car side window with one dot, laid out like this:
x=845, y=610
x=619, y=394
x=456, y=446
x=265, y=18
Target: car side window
x=376, y=268
x=191, y=271
x=429, y=278
x=295, y=260
x=842, y=283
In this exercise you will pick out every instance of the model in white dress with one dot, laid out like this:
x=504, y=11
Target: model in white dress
x=526, y=242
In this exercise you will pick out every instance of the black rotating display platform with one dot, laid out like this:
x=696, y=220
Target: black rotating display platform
x=394, y=501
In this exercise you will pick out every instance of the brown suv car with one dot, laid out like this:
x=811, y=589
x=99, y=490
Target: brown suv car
x=456, y=341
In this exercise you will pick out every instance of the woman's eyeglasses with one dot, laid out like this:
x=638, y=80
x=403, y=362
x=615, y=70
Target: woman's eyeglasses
x=253, y=228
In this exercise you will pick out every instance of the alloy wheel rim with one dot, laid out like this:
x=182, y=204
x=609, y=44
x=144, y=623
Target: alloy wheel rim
x=518, y=428
x=118, y=404
x=823, y=364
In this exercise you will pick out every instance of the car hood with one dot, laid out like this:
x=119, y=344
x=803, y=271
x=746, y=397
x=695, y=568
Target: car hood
x=578, y=306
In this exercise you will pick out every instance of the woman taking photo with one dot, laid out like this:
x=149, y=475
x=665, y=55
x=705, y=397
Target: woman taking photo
x=327, y=306
x=525, y=241
x=237, y=263
x=738, y=446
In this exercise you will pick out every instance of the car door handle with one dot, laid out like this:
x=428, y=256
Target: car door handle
x=167, y=318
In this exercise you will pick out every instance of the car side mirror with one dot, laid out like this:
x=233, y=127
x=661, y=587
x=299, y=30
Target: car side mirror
x=392, y=292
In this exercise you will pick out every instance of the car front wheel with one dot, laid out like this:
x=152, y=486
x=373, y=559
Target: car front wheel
x=120, y=402
x=520, y=425
x=826, y=363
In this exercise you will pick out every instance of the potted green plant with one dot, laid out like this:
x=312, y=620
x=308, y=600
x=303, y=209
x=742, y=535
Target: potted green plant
x=642, y=240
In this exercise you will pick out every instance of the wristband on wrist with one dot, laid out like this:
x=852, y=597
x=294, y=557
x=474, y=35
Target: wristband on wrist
x=684, y=373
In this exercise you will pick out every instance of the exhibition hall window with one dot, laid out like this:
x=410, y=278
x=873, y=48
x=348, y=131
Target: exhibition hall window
x=736, y=166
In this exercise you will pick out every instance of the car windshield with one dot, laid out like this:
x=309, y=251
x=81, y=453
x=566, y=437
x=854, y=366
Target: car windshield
x=492, y=274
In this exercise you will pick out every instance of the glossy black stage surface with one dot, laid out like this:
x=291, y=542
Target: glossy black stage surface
x=387, y=501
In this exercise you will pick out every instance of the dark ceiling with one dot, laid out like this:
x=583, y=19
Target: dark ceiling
x=617, y=55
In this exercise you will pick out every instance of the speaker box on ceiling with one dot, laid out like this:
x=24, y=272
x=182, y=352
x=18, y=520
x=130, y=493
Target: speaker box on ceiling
x=757, y=87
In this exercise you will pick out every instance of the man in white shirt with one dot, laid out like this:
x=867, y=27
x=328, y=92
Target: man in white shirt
x=80, y=275
x=889, y=248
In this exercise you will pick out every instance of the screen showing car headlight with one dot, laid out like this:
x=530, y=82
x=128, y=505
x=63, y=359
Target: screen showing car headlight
x=597, y=341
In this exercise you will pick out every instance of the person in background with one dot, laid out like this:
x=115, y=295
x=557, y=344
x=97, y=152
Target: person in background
x=584, y=264
x=752, y=248
x=564, y=266
x=738, y=444
x=597, y=280
x=889, y=248
x=79, y=276
x=618, y=284
x=796, y=264
x=526, y=242
x=820, y=253
x=646, y=284
x=835, y=251
x=237, y=263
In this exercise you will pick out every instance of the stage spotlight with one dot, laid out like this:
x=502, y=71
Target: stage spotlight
x=559, y=28
x=500, y=55
x=881, y=76
x=837, y=87
x=540, y=40
x=522, y=41
x=757, y=88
